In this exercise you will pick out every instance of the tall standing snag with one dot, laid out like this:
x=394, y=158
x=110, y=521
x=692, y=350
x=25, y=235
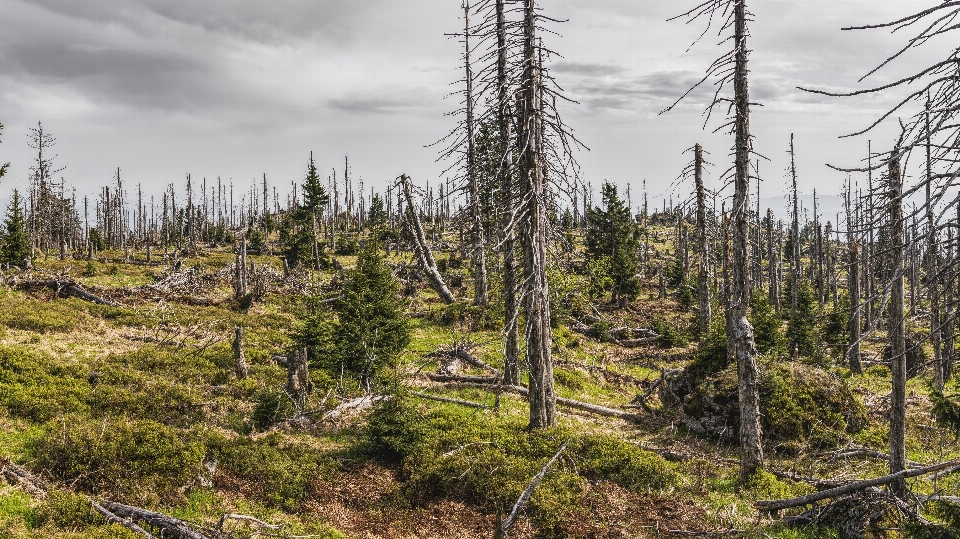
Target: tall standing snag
x=533, y=235
x=731, y=67
x=704, y=315
x=897, y=331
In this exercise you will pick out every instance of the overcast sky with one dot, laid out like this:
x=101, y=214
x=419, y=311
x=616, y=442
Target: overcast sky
x=238, y=88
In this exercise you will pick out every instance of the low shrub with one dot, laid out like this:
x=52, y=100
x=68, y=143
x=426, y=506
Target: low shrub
x=137, y=460
x=276, y=471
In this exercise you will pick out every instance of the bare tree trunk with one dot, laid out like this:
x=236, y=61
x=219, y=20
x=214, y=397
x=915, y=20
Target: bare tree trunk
x=423, y=249
x=950, y=310
x=773, y=269
x=511, y=364
x=741, y=336
x=240, y=270
x=534, y=233
x=933, y=271
x=898, y=347
x=704, y=314
x=480, y=296
x=853, y=287
x=298, y=377
x=239, y=353
x=795, y=235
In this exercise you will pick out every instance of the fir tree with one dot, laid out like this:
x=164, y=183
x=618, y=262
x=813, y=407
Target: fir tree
x=376, y=216
x=16, y=242
x=612, y=233
x=299, y=236
x=369, y=331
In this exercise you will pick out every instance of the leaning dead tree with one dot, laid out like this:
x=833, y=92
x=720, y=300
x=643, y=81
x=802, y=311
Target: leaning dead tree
x=731, y=68
x=424, y=253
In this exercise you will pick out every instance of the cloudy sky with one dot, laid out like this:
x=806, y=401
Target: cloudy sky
x=238, y=88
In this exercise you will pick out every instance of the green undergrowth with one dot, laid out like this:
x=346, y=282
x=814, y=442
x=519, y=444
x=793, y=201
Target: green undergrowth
x=446, y=453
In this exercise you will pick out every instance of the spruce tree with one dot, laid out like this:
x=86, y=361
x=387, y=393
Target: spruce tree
x=300, y=236
x=369, y=330
x=612, y=233
x=16, y=241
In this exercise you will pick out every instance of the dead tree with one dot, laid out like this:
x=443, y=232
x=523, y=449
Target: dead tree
x=240, y=269
x=704, y=315
x=897, y=330
x=773, y=265
x=853, y=287
x=298, y=378
x=533, y=229
x=511, y=354
x=424, y=254
x=479, y=243
x=731, y=68
x=795, y=237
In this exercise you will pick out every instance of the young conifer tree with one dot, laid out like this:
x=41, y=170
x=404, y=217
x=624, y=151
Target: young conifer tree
x=611, y=233
x=16, y=241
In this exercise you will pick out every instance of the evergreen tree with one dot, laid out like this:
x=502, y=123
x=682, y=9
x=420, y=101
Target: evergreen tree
x=370, y=330
x=612, y=233
x=802, y=327
x=16, y=241
x=376, y=216
x=299, y=235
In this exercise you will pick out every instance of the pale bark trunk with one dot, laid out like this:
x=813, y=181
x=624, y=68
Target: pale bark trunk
x=511, y=363
x=853, y=287
x=898, y=357
x=534, y=235
x=298, y=377
x=741, y=334
x=704, y=314
x=480, y=296
x=773, y=257
x=795, y=234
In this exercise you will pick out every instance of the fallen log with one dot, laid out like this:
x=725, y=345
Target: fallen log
x=169, y=526
x=352, y=406
x=22, y=478
x=64, y=286
x=437, y=377
x=776, y=505
x=126, y=523
x=519, y=390
x=448, y=400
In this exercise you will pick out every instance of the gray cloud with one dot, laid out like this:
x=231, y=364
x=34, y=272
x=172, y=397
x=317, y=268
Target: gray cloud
x=586, y=69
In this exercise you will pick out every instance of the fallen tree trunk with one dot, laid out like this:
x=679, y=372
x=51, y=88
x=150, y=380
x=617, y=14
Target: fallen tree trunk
x=775, y=505
x=438, y=398
x=20, y=477
x=436, y=377
x=424, y=254
x=170, y=526
x=519, y=390
x=126, y=523
x=67, y=286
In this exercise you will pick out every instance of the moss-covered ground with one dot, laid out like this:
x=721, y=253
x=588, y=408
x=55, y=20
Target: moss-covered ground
x=139, y=404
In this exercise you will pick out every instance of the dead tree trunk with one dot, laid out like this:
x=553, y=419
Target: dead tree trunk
x=897, y=331
x=950, y=310
x=511, y=364
x=480, y=296
x=741, y=336
x=704, y=314
x=533, y=193
x=298, y=377
x=853, y=286
x=424, y=254
x=933, y=271
x=240, y=270
x=773, y=265
x=239, y=353
x=795, y=237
